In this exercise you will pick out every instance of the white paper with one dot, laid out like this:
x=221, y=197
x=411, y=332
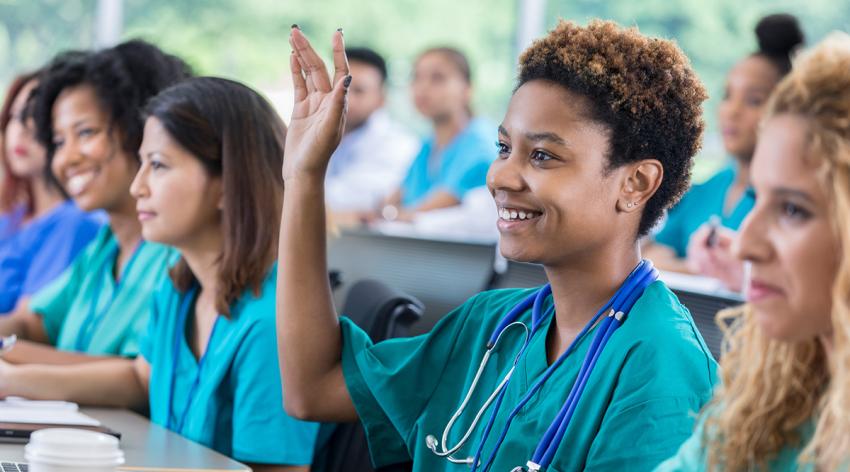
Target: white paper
x=17, y=410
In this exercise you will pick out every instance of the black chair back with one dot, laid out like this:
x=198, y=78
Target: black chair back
x=383, y=313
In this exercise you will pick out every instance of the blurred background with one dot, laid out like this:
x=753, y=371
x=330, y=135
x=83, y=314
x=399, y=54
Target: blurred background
x=246, y=39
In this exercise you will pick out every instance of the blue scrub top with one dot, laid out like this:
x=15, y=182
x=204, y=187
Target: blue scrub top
x=237, y=406
x=41, y=250
x=461, y=166
x=698, y=205
x=10, y=222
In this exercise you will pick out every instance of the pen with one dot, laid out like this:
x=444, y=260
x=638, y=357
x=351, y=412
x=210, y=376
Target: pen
x=713, y=223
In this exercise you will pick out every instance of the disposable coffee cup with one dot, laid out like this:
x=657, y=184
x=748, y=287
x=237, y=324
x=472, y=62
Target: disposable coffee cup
x=72, y=450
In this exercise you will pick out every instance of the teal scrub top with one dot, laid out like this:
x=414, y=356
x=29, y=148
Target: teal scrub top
x=693, y=455
x=698, y=205
x=458, y=168
x=85, y=309
x=639, y=405
x=237, y=406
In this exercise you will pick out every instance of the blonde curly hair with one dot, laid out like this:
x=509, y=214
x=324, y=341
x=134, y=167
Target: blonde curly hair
x=772, y=388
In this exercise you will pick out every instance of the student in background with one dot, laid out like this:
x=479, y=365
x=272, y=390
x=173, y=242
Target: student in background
x=784, y=404
x=41, y=230
x=375, y=152
x=455, y=158
x=87, y=115
x=210, y=186
x=595, y=144
x=688, y=242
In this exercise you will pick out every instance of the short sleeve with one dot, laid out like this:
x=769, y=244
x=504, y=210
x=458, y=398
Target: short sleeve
x=54, y=301
x=391, y=383
x=655, y=428
x=262, y=431
x=13, y=266
x=139, y=329
x=654, y=407
x=58, y=249
x=409, y=183
x=149, y=327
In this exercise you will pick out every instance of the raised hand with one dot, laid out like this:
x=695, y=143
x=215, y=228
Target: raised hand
x=318, y=117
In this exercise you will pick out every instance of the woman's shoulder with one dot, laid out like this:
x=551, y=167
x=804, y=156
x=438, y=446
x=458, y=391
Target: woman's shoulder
x=660, y=331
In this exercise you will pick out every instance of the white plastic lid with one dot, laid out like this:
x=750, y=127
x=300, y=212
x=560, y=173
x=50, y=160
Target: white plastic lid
x=73, y=447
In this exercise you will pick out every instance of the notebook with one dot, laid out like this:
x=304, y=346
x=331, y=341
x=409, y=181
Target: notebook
x=20, y=417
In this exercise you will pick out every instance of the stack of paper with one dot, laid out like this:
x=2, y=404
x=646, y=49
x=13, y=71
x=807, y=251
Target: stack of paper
x=19, y=410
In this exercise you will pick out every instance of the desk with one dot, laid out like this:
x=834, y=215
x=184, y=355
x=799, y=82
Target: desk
x=442, y=273
x=148, y=447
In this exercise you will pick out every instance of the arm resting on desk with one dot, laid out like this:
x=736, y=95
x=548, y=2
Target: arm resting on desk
x=27, y=352
x=438, y=199
x=24, y=323
x=114, y=382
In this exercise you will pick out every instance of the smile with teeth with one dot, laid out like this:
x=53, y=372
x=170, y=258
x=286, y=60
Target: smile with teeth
x=512, y=214
x=77, y=183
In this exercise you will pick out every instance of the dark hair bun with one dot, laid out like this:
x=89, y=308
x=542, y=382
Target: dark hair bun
x=779, y=34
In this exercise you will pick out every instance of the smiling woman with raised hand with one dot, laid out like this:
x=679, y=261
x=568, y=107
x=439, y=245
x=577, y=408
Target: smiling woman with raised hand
x=596, y=143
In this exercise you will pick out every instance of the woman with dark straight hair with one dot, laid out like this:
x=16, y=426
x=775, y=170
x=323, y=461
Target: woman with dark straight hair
x=210, y=186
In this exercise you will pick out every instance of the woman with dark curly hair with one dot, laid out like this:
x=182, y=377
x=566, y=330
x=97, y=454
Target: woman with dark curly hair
x=41, y=230
x=698, y=232
x=88, y=117
x=209, y=186
x=597, y=142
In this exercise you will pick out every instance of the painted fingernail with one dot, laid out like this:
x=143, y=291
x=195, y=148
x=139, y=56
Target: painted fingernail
x=347, y=81
x=295, y=26
x=340, y=31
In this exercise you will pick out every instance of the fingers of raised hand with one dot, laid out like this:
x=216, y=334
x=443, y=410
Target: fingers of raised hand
x=298, y=81
x=340, y=59
x=311, y=63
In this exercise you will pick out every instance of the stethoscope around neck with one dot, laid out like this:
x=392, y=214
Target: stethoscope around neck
x=616, y=308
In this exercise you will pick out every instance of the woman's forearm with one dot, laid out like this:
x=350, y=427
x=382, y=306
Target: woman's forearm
x=112, y=383
x=308, y=329
x=27, y=352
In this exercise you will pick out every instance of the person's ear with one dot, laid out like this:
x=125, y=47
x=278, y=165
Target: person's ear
x=217, y=188
x=641, y=181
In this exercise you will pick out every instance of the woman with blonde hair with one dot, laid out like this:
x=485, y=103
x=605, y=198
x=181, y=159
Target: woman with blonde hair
x=785, y=399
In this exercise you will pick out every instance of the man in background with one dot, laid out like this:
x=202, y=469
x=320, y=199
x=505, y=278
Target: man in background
x=374, y=153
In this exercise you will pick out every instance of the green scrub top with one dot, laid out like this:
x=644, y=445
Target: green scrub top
x=693, y=455
x=639, y=405
x=698, y=205
x=85, y=309
x=237, y=405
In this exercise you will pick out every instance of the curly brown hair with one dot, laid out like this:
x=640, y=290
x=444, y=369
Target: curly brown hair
x=643, y=90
